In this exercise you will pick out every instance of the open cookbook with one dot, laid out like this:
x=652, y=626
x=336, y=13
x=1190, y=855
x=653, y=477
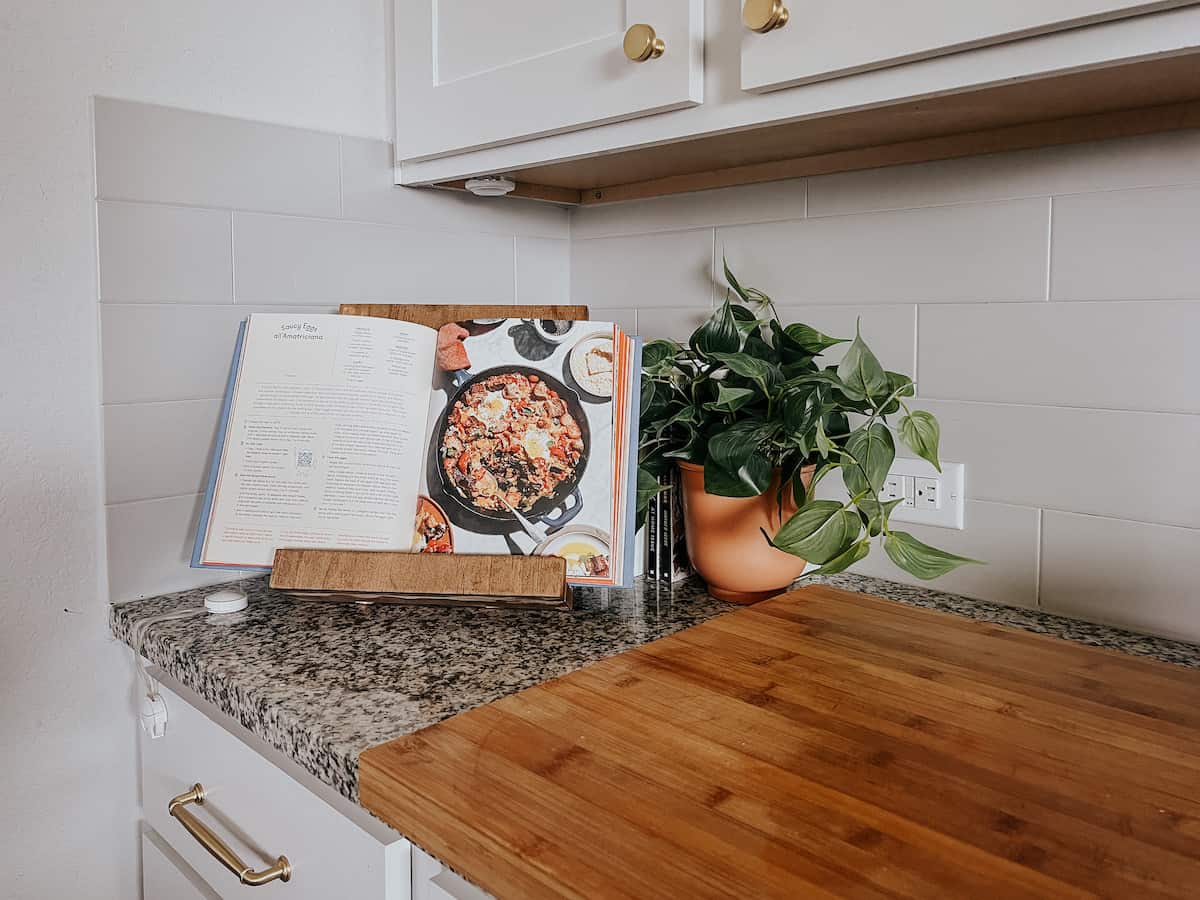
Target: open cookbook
x=502, y=436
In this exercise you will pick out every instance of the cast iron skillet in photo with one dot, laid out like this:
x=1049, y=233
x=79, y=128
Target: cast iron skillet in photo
x=567, y=489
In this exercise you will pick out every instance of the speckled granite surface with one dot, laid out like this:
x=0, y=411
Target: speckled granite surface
x=321, y=682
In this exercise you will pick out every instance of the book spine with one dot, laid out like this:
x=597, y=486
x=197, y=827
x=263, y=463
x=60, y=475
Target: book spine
x=652, y=540
x=666, y=554
x=680, y=565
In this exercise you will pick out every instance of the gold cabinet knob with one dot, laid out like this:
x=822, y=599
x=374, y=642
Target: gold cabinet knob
x=641, y=43
x=764, y=15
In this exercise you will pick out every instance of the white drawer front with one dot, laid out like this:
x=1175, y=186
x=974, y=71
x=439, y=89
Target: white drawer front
x=167, y=877
x=261, y=812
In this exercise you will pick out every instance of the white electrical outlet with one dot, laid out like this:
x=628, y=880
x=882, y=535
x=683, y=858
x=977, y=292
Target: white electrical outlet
x=927, y=496
x=928, y=493
x=936, y=497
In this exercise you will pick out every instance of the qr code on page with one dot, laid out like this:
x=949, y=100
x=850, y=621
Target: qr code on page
x=304, y=459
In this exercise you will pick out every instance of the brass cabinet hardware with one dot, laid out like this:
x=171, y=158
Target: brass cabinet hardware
x=641, y=43
x=218, y=848
x=764, y=15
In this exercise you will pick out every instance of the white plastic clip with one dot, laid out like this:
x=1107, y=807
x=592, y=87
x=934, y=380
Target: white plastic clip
x=154, y=715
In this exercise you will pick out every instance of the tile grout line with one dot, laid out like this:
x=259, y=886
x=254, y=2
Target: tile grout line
x=341, y=186
x=232, y=262
x=916, y=347
x=1049, y=246
x=1037, y=560
x=1070, y=406
x=516, y=290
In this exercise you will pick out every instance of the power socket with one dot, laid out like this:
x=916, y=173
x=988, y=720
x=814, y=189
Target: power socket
x=928, y=493
x=927, y=496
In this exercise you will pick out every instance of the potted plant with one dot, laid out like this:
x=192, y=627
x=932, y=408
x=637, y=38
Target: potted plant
x=754, y=422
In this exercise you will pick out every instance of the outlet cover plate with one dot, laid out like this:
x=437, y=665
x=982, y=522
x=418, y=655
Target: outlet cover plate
x=952, y=485
x=949, y=513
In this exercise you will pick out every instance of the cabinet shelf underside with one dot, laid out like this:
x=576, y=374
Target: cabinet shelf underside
x=1119, y=101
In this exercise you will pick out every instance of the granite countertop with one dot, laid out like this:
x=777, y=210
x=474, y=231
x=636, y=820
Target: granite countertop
x=322, y=682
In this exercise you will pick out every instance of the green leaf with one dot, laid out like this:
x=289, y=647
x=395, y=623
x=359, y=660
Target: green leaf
x=876, y=512
x=810, y=339
x=762, y=373
x=861, y=371
x=733, y=282
x=873, y=451
x=647, y=487
x=845, y=560
x=735, y=467
x=656, y=400
x=828, y=377
x=719, y=334
x=921, y=432
x=824, y=444
x=900, y=385
x=800, y=409
x=920, y=559
x=657, y=355
x=820, y=532
x=730, y=399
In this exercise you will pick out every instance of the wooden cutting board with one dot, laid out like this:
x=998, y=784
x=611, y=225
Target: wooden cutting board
x=820, y=744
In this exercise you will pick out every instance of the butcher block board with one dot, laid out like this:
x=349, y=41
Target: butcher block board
x=819, y=744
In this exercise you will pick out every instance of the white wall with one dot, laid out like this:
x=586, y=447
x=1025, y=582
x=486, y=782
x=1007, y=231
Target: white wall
x=203, y=219
x=1047, y=303
x=67, y=746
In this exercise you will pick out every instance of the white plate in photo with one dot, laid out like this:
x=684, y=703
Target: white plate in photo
x=592, y=364
x=579, y=545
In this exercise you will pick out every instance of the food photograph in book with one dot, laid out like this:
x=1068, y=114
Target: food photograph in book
x=529, y=438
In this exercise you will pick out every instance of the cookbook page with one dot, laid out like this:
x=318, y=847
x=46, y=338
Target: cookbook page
x=324, y=443
x=520, y=456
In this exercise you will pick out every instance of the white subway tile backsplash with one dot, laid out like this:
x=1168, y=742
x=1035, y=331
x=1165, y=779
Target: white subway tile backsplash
x=281, y=259
x=888, y=329
x=654, y=323
x=543, y=270
x=1078, y=422
x=1125, y=573
x=369, y=194
x=163, y=155
x=976, y=252
x=150, y=548
x=172, y=352
x=1169, y=158
x=158, y=449
x=164, y=254
x=670, y=268
x=1105, y=355
x=1003, y=537
x=1127, y=245
x=625, y=317
x=1133, y=465
x=766, y=202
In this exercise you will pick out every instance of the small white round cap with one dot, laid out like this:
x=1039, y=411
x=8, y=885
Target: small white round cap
x=228, y=600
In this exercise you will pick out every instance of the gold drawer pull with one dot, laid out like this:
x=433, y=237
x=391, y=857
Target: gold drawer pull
x=764, y=15
x=218, y=848
x=642, y=43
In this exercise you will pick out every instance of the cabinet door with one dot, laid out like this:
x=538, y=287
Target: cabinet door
x=476, y=73
x=823, y=39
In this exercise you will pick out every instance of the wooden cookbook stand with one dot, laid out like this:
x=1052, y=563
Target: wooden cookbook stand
x=444, y=579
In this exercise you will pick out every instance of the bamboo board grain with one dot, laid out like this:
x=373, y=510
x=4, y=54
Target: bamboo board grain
x=820, y=744
x=423, y=577
x=435, y=315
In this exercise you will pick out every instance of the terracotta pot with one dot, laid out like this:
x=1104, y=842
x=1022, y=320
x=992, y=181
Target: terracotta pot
x=725, y=542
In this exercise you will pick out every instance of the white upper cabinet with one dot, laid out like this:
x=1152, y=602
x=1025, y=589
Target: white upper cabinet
x=476, y=73
x=794, y=42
